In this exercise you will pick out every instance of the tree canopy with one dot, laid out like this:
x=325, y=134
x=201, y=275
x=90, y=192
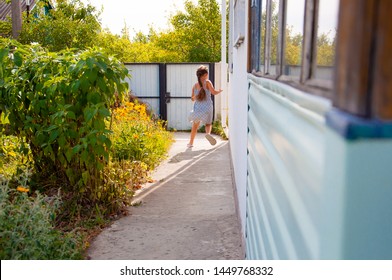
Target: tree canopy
x=199, y=30
x=70, y=25
x=194, y=35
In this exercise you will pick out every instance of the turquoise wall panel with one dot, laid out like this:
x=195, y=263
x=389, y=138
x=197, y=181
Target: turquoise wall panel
x=357, y=192
x=312, y=193
x=286, y=143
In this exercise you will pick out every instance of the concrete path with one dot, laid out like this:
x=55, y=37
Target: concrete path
x=188, y=213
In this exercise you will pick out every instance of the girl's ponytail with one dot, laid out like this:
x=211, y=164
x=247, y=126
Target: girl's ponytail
x=202, y=70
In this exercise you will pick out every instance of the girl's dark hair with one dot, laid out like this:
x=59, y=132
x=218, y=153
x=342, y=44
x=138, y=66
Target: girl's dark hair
x=202, y=70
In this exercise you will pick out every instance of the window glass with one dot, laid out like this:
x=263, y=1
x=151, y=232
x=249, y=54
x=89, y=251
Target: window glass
x=274, y=37
x=295, y=14
x=326, y=38
x=263, y=10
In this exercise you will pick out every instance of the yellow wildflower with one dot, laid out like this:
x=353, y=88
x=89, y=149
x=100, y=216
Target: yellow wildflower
x=22, y=189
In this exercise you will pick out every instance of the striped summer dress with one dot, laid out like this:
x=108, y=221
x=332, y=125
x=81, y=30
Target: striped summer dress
x=202, y=110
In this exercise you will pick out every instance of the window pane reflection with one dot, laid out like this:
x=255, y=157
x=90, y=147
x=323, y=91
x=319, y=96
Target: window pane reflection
x=294, y=37
x=274, y=37
x=263, y=27
x=326, y=38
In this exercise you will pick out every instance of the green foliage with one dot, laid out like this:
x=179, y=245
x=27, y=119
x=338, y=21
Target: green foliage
x=59, y=103
x=325, y=50
x=122, y=177
x=199, y=29
x=139, y=144
x=218, y=129
x=195, y=37
x=293, y=52
x=137, y=137
x=119, y=47
x=5, y=28
x=27, y=227
x=70, y=25
x=12, y=155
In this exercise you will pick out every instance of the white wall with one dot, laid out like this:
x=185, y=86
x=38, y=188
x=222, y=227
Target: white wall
x=325, y=197
x=238, y=107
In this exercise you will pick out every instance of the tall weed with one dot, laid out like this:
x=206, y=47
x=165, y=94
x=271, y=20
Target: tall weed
x=27, y=227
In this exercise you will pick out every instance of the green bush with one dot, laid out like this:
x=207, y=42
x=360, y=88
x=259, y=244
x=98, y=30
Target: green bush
x=6, y=28
x=218, y=129
x=60, y=103
x=121, y=180
x=137, y=136
x=27, y=227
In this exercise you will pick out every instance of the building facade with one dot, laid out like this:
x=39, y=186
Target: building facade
x=310, y=127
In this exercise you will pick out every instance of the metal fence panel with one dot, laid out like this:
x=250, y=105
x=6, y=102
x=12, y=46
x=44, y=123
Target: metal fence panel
x=166, y=88
x=144, y=83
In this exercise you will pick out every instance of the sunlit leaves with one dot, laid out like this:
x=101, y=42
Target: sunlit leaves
x=59, y=102
x=71, y=25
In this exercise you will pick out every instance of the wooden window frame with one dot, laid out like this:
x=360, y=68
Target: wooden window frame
x=362, y=81
x=306, y=81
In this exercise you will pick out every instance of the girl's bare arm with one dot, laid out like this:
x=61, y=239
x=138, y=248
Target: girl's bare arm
x=193, y=93
x=212, y=89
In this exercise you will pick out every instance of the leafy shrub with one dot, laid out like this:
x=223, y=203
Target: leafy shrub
x=218, y=129
x=59, y=103
x=121, y=180
x=5, y=28
x=137, y=137
x=27, y=230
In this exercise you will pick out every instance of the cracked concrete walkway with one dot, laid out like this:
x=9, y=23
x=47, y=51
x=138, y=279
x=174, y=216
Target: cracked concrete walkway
x=188, y=213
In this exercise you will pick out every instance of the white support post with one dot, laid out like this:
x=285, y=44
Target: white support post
x=224, y=97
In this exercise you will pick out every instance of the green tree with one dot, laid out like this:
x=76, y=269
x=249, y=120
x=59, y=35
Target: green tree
x=325, y=50
x=168, y=46
x=70, y=25
x=199, y=30
x=118, y=46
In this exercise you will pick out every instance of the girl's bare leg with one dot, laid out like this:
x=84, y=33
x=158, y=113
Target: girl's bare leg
x=210, y=139
x=195, y=126
x=208, y=128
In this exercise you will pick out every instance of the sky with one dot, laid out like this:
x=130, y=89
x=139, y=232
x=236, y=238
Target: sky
x=138, y=15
